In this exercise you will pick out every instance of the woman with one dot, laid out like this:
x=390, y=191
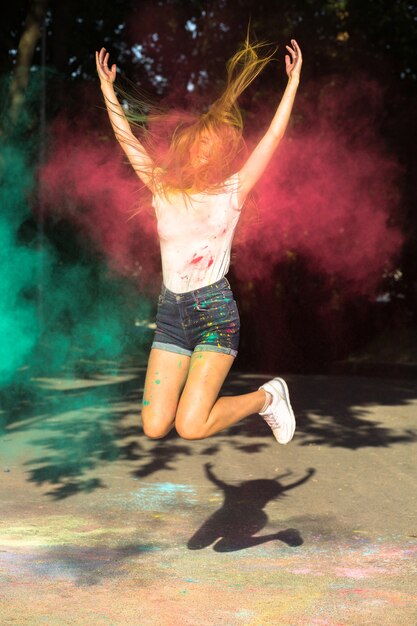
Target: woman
x=197, y=196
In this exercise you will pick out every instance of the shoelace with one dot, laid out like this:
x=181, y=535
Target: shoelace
x=271, y=420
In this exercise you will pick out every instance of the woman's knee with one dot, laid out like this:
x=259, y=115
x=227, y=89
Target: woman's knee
x=190, y=428
x=154, y=427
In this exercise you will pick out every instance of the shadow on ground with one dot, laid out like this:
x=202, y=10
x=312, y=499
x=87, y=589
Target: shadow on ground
x=241, y=516
x=81, y=424
x=337, y=411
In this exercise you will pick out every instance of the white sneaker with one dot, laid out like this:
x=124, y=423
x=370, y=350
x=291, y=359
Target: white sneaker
x=279, y=415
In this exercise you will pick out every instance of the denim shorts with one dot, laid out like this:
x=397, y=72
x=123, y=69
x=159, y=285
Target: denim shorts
x=203, y=319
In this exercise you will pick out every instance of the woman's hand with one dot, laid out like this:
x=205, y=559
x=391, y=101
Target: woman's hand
x=106, y=75
x=294, y=62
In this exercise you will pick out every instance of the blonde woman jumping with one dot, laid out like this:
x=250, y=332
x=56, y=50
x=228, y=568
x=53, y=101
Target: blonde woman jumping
x=197, y=194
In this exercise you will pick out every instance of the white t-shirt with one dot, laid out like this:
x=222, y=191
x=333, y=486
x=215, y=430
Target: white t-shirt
x=195, y=235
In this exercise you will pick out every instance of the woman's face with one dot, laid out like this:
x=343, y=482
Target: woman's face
x=204, y=148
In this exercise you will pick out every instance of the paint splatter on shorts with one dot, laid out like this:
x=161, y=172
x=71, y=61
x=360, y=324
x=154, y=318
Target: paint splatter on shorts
x=203, y=319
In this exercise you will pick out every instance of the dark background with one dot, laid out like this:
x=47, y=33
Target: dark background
x=185, y=41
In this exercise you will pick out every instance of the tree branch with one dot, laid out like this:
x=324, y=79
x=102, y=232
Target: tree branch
x=25, y=51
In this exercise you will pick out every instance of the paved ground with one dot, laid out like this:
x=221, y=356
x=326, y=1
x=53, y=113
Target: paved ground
x=100, y=526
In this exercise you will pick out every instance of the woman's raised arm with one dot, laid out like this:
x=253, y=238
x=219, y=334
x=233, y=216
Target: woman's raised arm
x=135, y=152
x=261, y=155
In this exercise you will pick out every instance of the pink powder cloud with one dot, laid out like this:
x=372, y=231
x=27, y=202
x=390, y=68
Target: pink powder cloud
x=86, y=181
x=328, y=195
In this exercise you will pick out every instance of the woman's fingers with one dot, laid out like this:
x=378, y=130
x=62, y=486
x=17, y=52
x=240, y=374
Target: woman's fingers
x=102, y=60
x=102, y=56
x=294, y=50
x=99, y=64
x=291, y=51
x=297, y=49
x=296, y=46
x=290, y=61
x=293, y=60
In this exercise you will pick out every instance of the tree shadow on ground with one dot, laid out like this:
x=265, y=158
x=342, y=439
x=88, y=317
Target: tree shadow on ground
x=69, y=432
x=234, y=526
x=343, y=411
x=75, y=428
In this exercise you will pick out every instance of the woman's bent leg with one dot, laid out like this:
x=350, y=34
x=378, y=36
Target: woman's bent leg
x=165, y=379
x=200, y=412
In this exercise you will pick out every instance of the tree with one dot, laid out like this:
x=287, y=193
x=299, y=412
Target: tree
x=170, y=46
x=25, y=51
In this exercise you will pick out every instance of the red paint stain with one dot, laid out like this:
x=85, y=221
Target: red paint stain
x=196, y=259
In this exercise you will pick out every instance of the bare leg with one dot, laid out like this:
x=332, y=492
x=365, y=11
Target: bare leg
x=200, y=412
x=165, y=379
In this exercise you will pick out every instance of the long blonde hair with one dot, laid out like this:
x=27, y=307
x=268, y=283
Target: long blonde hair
x=170, y=136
